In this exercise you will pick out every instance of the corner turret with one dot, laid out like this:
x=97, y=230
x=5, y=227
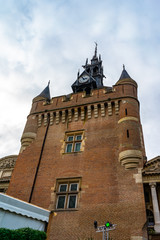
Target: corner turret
x=131, y=146
x=125, y=78
x=44, y=95
x=30, y=130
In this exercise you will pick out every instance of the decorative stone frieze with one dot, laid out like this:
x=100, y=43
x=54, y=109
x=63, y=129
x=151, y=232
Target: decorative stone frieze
x=8, y=162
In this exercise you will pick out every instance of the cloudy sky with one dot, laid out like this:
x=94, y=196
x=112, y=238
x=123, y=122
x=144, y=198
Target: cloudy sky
x=43, y=40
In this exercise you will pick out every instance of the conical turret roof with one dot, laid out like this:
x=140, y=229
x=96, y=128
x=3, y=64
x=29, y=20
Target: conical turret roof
x=45, y=94
x=124, y=74
x=125, y=78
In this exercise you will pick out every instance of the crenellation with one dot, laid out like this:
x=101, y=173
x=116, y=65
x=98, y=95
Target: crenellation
x=81, y=112
x=76, y=101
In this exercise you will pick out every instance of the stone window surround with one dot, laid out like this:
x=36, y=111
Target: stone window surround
x=74, y=141
x=67, y=193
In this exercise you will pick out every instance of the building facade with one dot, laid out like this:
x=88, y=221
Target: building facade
x=7, y=164
x=82, y=156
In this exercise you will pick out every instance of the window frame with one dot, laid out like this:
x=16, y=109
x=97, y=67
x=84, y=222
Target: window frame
x=68, y=201
x=67, y=193
x=74, y=141
x=60, y=187
x=58, y=201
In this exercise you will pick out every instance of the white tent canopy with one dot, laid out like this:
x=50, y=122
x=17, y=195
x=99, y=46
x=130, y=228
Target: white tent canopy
x=15, y=213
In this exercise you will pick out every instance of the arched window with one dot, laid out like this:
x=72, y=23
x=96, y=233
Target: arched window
x=95, y=70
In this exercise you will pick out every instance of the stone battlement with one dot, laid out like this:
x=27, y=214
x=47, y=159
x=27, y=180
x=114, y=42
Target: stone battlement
x=107, y=96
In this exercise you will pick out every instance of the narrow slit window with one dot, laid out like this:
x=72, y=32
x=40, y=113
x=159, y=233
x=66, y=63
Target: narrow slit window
x=127, y=133
x=126, y=112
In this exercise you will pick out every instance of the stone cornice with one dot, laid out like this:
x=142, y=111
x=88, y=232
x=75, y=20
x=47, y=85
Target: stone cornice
x=152, y=168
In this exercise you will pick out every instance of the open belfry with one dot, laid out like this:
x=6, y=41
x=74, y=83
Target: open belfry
x=81, y=157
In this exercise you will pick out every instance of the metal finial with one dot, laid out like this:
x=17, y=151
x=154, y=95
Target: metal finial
x=95, y=54
x=123, y=67
x=78, y=73
x=48, y=82
x=86, y=61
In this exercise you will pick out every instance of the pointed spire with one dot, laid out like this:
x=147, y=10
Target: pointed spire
x=86, y=61
x=95, y=52
x=124, y=74
x=78, y=73
x=45, y=93
x=125, y=78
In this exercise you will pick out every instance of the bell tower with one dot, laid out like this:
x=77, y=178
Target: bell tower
x=91, y=77
x=81, y=158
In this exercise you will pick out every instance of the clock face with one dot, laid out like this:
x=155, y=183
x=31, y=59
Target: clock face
x=84, y=79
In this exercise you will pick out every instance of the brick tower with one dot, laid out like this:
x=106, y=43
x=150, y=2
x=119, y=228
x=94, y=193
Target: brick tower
x=81, y=157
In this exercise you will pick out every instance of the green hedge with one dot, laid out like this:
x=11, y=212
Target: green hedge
x=22, y=234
